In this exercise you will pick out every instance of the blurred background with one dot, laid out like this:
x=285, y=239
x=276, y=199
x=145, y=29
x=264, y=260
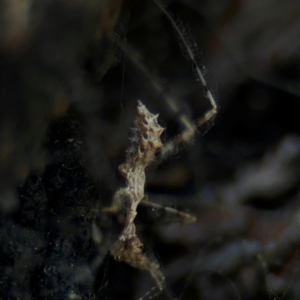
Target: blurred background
x=68, y=96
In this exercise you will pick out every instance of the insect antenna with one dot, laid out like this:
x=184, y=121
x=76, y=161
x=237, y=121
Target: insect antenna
x=191, y=52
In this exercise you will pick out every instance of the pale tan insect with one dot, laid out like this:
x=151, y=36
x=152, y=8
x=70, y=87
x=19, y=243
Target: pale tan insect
x=144, y=143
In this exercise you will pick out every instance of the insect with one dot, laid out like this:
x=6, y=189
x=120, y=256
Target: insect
x=146, y=146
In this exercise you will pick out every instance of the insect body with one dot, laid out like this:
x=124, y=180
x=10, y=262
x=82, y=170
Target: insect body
x=144, y=143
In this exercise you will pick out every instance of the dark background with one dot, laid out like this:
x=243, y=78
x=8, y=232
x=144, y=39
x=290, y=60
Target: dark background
x=68, y=97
